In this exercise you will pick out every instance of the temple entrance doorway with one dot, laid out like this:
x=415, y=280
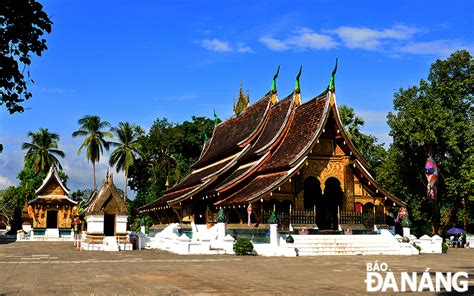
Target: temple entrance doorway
x=312, y=193
x=51, y=219
x=333, y=196
x=109, y=225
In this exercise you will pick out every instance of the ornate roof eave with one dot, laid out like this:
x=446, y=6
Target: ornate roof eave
x=64, y=197
x=348, y=141
x=211, y=178
x=259, y=127
x=252, y=169
x=269, y=188
x=284, y=127
x=248, y=139
x=373, y=182
x=191, y=193
x=52, y=173
x=160, y=200
x=233, y=160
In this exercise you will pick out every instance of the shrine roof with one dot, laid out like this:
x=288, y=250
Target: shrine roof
x=52, y=176
x=100, y=198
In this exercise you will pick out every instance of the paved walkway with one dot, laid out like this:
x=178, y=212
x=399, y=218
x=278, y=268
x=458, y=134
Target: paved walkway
x=56, y=268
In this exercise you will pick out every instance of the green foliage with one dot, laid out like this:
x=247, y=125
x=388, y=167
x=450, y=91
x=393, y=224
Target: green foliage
x=168, y=151
x=135, y=223
x=10, y=198
x=95, y=139
x=373, y=152
x=406, y=222
x=290, y=239
x=434, y=118
x=405, y=239
x=43, y=150
x=243, y=246
x=80, y=194
x=22, y=25
x=273, y=218
x=417, y=247
x=221, y=216
x=127, y=149
x=444, y=248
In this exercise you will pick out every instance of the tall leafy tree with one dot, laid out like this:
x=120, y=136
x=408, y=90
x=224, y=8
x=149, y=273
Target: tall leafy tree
x=91, y=127
x=435, y=119
x=43, y=150
x=22, y=26
x=126, y=150
x=373, y=152
x=169, y=150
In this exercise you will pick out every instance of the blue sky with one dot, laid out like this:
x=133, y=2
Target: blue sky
x=138, y=61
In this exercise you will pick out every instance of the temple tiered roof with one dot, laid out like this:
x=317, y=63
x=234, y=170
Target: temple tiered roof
x=254, y=152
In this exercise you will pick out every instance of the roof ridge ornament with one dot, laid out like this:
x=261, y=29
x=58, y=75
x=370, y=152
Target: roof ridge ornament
x=216, y=119
x=273, y=89
x=242, y=101
x=297, y=92
x=332, y=85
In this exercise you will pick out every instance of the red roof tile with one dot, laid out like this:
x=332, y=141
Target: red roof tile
x=229, y=134
x=301, y=132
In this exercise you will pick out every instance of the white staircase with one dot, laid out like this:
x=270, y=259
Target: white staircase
x=110, y=244
x=316, y=245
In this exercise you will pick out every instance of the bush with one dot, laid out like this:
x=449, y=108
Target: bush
x=221, y=216
x=273, y=218
x=417, y=247
x=243, y=246
x=290, y=239
x=444, y=248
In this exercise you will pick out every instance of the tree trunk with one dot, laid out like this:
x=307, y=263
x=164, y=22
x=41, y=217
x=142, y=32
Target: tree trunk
x=126, y=185
x=93, y=169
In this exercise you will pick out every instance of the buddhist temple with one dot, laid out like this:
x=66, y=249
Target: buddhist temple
x=279, y=155
x=106, y=216
x=51, y=211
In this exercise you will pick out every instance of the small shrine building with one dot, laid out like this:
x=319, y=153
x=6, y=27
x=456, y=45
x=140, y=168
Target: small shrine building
x=106, y=216
x=284, y=155
x=51, y=210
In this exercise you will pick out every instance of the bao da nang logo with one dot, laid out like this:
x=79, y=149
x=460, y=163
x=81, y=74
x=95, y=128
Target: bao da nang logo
x=380, y=278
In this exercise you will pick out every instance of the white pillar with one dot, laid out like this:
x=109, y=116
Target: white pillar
x=274, y=234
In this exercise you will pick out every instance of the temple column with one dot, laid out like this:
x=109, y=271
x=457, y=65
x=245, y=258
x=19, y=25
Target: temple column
x=349, y=199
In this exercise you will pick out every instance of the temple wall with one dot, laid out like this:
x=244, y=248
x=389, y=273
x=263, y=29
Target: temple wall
x=40, y=215
x=95, y=224
x=121, y=224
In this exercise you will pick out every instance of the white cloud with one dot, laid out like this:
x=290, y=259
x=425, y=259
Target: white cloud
x=224, y=46
x=302, y=39
x=441, y=48
x=274, y=44
x=371, y=39
x=306, y=38
x=242, y=48
x=5, y=182
x=215, y=45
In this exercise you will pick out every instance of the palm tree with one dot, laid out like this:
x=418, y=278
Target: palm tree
x=127, y=149
x=90, y=127
x=351, y=122
x=43, y=150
